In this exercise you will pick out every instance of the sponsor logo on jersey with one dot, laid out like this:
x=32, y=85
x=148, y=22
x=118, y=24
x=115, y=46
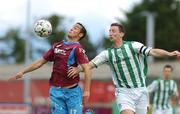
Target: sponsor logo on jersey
x=59, y=51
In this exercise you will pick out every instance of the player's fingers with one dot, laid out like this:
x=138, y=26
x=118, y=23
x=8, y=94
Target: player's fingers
x=75, y=75
x=70, y=70
x=178, y=53
x=11, y=78
x=85, y=100
x=70, y=73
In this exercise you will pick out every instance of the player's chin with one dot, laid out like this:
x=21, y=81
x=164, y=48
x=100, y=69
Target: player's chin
x=111, y=39
x=70, y=36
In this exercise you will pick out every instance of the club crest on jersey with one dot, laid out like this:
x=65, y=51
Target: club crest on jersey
x=82, y=50
x=120, y=55
x=59, y=51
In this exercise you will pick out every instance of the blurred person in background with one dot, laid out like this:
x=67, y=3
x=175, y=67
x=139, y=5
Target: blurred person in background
x=127, y=61
x=65, y=93
x=163, y=90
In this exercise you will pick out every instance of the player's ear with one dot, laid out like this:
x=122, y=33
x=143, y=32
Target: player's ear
x=80, y=35
x=122, y=34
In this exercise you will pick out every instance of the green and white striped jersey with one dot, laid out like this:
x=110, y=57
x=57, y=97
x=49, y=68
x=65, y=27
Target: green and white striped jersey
x=127, y=63
x=162, y=92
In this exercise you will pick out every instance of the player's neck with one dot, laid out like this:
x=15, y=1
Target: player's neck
x=72, y=39
x=166, y=78
x=118, y=43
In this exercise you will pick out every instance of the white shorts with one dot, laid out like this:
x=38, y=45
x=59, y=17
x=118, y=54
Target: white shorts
x=135, y=99
x=160, y=111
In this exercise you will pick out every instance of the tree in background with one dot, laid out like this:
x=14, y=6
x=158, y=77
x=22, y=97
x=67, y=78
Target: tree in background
x=91, y=50
x=18, y=45
x=19, y=48
x=167, y=23
x=106, y=42
x=57, y=34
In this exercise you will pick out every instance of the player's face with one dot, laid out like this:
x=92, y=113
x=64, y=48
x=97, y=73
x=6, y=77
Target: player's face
x=167, y=72
x=115, y=33
x=75, y=31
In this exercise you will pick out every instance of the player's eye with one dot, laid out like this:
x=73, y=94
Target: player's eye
x=77, y=27
x=113, y=31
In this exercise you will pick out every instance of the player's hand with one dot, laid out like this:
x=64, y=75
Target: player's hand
x=73, y=72
x=15, y=77
x=175, y=54
x=86, y=95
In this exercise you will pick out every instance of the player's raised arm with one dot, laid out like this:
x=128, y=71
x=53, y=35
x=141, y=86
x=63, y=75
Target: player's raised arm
x=164, y=53
x=35, y=65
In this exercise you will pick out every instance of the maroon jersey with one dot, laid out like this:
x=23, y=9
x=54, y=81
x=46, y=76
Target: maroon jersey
x=64, y=55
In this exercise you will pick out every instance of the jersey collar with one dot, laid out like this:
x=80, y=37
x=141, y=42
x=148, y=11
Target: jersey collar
x=68, y=42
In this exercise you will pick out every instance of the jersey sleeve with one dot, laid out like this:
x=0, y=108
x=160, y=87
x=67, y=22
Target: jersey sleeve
x=80, y=55
x=100, y=58
x=141, y=49
x=49, y=55
x=153, y=86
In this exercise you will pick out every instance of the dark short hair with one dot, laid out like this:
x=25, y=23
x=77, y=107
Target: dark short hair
x=83, y=30
x=121, y=28
x=168, y=66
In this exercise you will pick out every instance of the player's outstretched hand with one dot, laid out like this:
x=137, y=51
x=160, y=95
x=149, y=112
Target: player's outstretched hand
x=175, y=54
x=15, y=77
x=73, y=72
x=86, y=95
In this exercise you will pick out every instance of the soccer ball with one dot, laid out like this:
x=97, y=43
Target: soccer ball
x=43, y=28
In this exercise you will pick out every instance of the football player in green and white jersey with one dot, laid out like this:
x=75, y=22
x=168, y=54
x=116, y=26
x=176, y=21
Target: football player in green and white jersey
x=127, y=61
x=164, y=89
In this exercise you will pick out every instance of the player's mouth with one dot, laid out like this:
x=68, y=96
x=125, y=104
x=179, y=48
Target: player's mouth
x=111, y=37
x=70, y=32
